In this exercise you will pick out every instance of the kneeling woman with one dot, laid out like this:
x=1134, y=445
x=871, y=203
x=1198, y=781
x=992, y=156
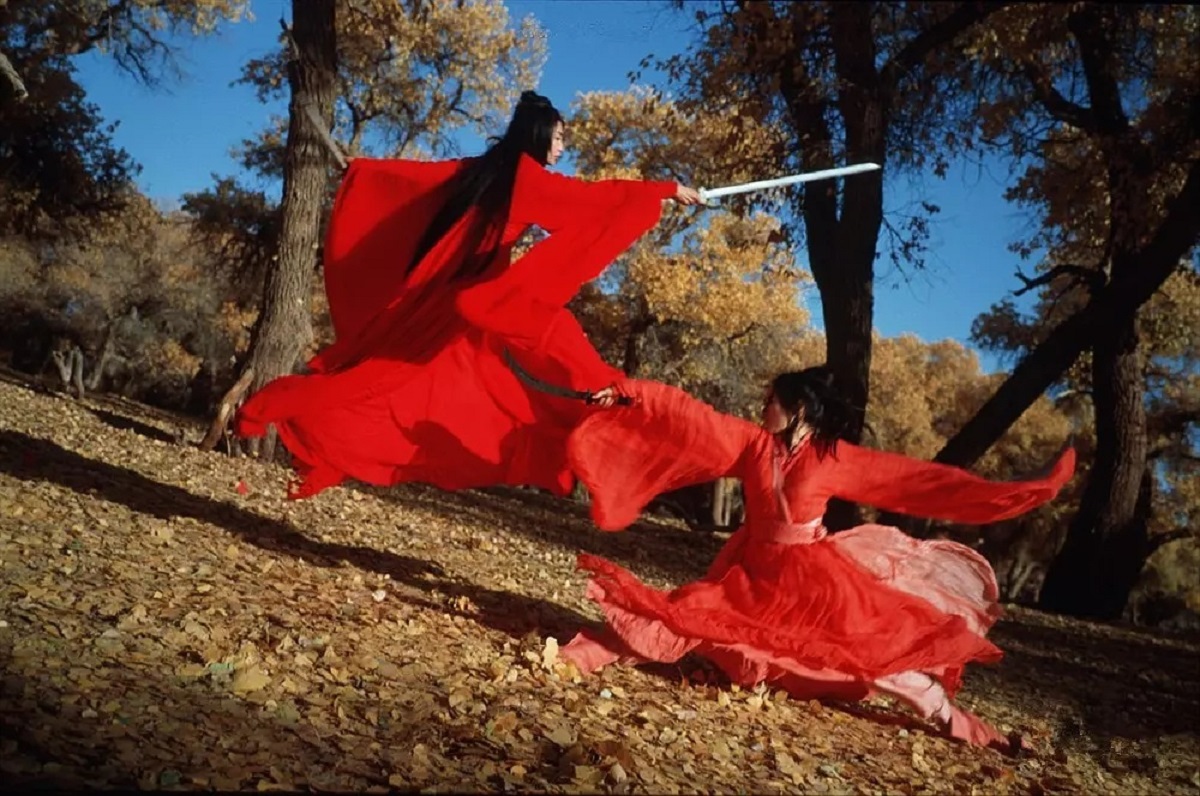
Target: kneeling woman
x=842, y=616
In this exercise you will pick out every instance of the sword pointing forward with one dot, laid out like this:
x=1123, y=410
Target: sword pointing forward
x=761, y=185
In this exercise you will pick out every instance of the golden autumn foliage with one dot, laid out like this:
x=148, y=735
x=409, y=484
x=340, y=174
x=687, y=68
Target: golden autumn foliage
x=923, y=392
x=710, y=299
x=144, y=306
x=412, y=73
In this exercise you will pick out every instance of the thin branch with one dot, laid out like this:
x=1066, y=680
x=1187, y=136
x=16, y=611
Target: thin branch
x=943, y=32
x=1174, y=422
x=335, y=151
x=1067, y=395
x=1171, y=450
x=14, y=79
x=739, y=335
x=1056, y=104
x=1159, y=539
x=1090, y=278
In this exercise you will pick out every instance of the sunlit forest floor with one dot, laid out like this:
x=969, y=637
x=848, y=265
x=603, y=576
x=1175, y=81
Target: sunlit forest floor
x=169, y=621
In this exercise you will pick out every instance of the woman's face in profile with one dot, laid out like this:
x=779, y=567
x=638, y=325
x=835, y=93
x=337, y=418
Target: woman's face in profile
x=557, y=144
x=774, y=416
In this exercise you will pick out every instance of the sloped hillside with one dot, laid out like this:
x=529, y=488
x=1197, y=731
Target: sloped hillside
x=167, y=620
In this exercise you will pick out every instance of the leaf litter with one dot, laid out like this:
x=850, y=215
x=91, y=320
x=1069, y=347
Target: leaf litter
x=169, y=621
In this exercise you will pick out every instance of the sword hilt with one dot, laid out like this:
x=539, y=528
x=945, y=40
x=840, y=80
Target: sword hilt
x=621, y=400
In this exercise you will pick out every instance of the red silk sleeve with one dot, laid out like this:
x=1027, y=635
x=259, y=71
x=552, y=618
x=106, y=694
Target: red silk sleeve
x=590, y=224
x=626, y=456
x=898, y=483
x=379, y=213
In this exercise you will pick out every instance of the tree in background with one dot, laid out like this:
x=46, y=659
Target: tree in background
x=924, y=392
x=849, y=83
x=283, y=330
x=70, y=219
x=710, y=298
x=133, y=309
x=1103, y=104
x=1170, y=391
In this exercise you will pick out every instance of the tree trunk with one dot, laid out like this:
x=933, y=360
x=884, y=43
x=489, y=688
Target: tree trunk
x=62, y=363
x=77, y=365
x=722, y=502
x=284, y=327
x=95, y=381
x=1112, y=305
x=841, y=245
x=1018, y=575
x=12, y=77
x=1107, y=541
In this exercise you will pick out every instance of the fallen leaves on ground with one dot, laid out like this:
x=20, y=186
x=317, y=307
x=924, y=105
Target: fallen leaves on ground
x=169, y=621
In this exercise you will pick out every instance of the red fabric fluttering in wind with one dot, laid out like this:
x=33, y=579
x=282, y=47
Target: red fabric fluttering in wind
x=819, y=615
x=415, y=388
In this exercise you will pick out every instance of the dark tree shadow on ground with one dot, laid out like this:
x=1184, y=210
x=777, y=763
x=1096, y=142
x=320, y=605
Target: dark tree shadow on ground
x=1123, y=688
x=645, y=547
x=32, y=459
x=124, y=423
x=648, y=549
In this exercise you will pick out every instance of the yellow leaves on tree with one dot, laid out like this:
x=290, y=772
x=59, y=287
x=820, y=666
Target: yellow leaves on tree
x=202, y=16
x=922, y=393
x=726, y=277
x=134, y=32
x=710, y=300
x=642, y=133
x=412, y=72
x=447, y=63
x=142, y=303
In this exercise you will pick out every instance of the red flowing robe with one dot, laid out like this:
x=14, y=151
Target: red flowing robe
x=819, y=615
x=415, y=388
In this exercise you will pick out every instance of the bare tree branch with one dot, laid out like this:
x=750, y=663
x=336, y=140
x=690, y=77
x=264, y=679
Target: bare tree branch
x=1120, y=298
x=1055, y=103
x=1091, y=278
x=1159, y=539
x=14, y=79
x=133, y=43
x=959, y=20
x=1067, y=395
x=739, y=335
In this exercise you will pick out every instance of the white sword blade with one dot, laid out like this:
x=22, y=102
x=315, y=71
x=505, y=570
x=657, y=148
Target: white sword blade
x=762, y=185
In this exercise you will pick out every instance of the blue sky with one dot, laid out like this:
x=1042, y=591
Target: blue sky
x=183, y=132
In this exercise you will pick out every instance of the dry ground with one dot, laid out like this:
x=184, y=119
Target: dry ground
x=168, y=621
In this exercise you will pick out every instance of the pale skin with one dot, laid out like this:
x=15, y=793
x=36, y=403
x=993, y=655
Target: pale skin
x=683, y=195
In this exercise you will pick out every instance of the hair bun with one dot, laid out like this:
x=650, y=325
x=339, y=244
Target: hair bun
x=534, y=99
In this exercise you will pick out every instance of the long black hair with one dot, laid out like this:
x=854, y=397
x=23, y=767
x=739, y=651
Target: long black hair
x=487, y=182
x=812, y=395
